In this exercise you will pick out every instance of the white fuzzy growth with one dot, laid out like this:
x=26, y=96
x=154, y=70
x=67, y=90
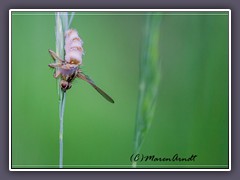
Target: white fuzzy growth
x=74, y=55
x=71, y=34
x=73, y=46
x=76, y=43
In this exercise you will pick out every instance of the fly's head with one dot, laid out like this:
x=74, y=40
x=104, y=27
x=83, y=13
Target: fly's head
x=65, y=85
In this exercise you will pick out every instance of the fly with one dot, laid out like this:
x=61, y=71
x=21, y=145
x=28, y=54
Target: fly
x=69, y=69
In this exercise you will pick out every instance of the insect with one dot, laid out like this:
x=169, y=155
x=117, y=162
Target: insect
x=69, y=68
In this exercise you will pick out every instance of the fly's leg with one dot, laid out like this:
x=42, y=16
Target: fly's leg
x=55, y=65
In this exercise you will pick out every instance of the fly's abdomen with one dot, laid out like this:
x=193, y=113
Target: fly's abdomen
x=73, y=47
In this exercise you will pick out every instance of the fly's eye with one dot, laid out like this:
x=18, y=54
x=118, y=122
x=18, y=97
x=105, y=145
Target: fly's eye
x=64, y=85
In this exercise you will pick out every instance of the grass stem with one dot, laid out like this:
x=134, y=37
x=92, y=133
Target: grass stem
x=61, y=114
x=62, y=25
x=149, y=81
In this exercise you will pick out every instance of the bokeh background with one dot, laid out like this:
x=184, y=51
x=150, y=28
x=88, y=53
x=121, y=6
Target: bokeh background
x=191, y=114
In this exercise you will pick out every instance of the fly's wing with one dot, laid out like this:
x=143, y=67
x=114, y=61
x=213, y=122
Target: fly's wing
x=55, y=57
x=87, y=79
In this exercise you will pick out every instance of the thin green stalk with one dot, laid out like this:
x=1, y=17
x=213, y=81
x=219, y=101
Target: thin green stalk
x=149, y=81
x=61, y=111
x=61, y=26
x=71, y=18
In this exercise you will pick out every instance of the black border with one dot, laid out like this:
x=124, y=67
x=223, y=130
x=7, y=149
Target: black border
x=122, y=169
x=5, y=5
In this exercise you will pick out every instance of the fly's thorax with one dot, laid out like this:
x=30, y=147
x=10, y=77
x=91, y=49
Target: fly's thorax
x=68, y=69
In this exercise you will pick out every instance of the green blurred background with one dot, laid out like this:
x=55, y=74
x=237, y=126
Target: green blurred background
x=192, y=110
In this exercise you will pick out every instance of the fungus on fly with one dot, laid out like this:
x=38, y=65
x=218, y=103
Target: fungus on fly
x=69, y=68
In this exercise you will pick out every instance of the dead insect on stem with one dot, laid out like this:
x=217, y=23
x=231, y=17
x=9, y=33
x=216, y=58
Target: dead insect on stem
x=69, y=69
